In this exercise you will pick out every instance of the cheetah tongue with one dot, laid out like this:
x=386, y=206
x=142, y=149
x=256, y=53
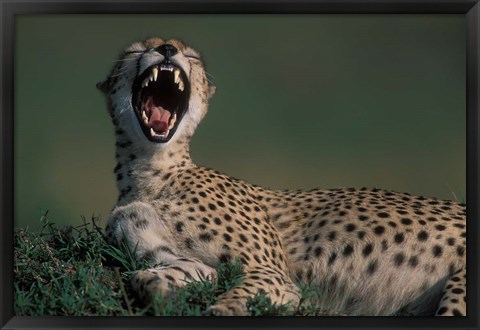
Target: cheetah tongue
x=159, y=118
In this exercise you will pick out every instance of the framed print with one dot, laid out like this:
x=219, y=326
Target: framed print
x=239, y=165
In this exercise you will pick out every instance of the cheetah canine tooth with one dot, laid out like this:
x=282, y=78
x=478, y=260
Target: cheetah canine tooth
x=177, y=76
x=155, y=73
x=172, y=122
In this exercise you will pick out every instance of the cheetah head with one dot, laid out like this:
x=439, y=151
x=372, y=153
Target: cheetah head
x=157, y=91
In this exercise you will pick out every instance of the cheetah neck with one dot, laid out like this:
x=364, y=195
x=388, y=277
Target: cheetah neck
x=141, y=166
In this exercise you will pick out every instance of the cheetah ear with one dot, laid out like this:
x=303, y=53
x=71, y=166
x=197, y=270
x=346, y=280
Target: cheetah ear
x=103, y=86
x=211, y=90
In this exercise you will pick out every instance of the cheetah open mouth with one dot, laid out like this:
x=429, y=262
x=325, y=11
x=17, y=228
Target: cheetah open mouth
x=160, y=99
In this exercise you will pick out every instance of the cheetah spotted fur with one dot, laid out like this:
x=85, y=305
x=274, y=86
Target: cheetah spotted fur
x=366, y=251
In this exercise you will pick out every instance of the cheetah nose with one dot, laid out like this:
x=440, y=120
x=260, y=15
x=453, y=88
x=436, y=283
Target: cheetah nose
x=167, y=50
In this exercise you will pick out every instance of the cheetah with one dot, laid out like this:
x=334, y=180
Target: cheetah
x=365, y=251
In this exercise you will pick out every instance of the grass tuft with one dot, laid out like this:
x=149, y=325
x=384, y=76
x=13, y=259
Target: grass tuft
x=72, y=271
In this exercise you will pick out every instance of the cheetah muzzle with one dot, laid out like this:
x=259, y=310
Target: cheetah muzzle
x=364, y=251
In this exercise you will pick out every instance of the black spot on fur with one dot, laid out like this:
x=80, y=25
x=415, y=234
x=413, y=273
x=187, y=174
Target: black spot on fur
x=322, y=223
x=442, y=310
x=331, y=235
x=348, y=250
x=398, y=259
x=179, y=226
x=141, y=224
x=437, y=251
x=406, y=221
x=384, y=245
x=367, y=250
x=170, y=278
x=244, y=238
x=117, y=168
x=332, y=258
x=379, y=230
x=362, y=217
x=189, y=243
x=460, y=250
x=372, y=267
x=392, y=224
x=413, y=261
x=422, y=236
x=224, y=258
x=399, y=237
x=350, y=227
x=440, y=227
x=456, y=312
x=206, y=237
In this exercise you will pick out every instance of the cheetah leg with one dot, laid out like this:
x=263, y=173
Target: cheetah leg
x=274, y=283
x=453, y=302
x=137, y=224
x=150, y=283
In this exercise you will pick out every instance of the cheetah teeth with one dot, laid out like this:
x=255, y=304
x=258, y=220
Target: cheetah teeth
x=145, y=118
x=177, y=76
x=163, y=135
x=154, y=76
x=178, y=80
x=172, y=122
x=166, y=68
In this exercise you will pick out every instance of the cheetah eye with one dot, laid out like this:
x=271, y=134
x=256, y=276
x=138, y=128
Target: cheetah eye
x=133, y=52
x=195, y=57
x=160, y=99
x=189, y=53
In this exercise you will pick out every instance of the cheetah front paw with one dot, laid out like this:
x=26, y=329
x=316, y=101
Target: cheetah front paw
x=228, y=308
x=148, y=284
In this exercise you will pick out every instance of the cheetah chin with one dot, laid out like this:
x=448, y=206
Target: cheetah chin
x=363, y=251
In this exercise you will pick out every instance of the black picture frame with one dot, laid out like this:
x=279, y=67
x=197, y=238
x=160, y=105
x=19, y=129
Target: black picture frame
x=10, y=9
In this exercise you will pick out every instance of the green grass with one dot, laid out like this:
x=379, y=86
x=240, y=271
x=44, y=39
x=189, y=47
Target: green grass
x=73, y=271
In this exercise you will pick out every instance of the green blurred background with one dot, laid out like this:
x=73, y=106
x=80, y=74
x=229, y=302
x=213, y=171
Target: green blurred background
x=302, y=101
